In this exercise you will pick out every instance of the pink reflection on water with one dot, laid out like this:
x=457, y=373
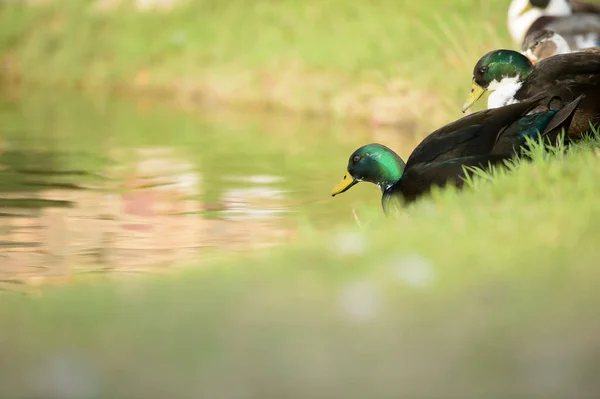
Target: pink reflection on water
x=149, y=214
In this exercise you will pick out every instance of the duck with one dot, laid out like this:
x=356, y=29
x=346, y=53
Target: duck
x=511, y=77
x=578, y=22
x=480, y=140
x=541, y=44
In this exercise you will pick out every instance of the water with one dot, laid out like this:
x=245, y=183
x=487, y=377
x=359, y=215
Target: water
x=103, y=184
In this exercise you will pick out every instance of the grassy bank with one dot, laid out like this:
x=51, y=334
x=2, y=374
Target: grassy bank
x=488, y=294
x=491, y=293
x=385, y=61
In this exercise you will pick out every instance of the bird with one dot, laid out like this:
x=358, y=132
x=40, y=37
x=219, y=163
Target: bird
x=541, y=44
x=480, y=140
x=578, y=22
x=511, y=77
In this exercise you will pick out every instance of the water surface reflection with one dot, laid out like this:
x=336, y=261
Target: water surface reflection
x=111, y=187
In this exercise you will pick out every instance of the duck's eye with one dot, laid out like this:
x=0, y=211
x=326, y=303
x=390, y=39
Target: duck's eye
x=356, y=158
x=484, y=69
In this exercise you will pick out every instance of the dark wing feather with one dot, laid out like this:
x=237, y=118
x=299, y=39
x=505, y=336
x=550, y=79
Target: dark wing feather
x=481, y=144
x=575, y=24
x=569, y=26
x=568, y=76
x=562, y=119
x=562, y=69
x=548, y=123
x=419, y=179
x=474, y=134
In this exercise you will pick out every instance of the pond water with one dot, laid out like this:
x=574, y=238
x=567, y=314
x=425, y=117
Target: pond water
x=98, y=184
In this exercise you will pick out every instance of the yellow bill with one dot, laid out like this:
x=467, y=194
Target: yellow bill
x=476, y=93
x=528, y=7
x=347, y=182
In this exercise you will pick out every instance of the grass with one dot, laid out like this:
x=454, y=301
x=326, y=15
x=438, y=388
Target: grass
x=487, y=293
x=490, y=293
x=386, y=61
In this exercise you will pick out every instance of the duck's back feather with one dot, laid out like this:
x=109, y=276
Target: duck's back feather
x=573, y=27
x=563, y=69
x=420, y=178
x=479, y=140
x=568, y=75
x=471, y=135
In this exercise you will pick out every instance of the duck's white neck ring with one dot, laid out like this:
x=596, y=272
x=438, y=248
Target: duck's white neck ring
x=503, y=92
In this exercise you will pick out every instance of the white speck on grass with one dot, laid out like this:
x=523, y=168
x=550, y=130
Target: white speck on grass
x=413, y=270
x=66, y=376
x=349, y=243
x=360, y=302
x=179, y=37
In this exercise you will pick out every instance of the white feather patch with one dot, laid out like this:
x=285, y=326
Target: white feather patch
x=503, y=92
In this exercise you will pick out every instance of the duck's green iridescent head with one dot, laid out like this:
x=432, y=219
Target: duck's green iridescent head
x=373, y=163
x=493, y=68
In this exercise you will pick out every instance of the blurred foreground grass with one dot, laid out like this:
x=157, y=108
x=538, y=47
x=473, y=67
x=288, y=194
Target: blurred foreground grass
x=490, y=293
x=487, y=294
x=388, y=61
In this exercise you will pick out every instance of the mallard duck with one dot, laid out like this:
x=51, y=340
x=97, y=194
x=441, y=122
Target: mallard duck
x=484, y=138
x=578, y=22
x=511, y=77
x=541, y=44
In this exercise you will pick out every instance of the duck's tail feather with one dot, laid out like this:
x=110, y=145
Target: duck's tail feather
x=563, y=118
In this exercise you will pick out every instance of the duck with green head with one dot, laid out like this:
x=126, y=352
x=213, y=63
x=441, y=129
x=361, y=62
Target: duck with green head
x=485, y=138
x=511, y=78
x=378, y=164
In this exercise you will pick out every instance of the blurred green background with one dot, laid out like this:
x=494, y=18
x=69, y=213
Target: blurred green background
x=167, y=230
